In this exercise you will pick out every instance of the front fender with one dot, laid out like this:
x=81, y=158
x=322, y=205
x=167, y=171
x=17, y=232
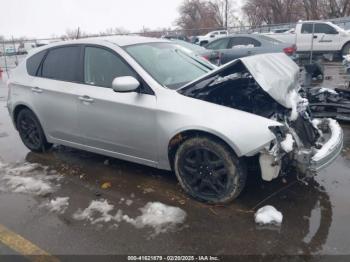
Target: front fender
x=244, y=132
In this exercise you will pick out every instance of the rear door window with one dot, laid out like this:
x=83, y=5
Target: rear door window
x=246, y=42
x=218, y=44
x=62, y=63
x=325, y=29
x=34, y=62
x=102, y=66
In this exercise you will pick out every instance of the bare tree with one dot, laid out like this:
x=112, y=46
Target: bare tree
x=73, y=34
x=272, y=11
x=115, y=31
x=225, y=11
x=284, y=11
x=197, y=14
x=334, y=8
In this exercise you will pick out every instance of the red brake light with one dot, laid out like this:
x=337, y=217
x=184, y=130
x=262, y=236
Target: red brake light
x=206, y=57
x=290, y=50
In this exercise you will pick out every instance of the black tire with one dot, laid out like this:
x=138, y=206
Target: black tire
x=209, y=171
x=203, y=43
x=31, y=132
x=345, y=50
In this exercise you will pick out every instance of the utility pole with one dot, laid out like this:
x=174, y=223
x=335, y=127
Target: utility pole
x=226, y=13
x=78, y=33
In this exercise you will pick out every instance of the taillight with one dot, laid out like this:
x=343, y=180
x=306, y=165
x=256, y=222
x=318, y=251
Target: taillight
x=214, y=58
x=290, y=50
x=217, y=59
x=206, y=57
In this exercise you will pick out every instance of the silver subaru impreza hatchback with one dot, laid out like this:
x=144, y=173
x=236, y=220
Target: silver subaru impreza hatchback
x=152, y=102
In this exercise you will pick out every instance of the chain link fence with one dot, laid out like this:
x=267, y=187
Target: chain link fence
x=13, y=51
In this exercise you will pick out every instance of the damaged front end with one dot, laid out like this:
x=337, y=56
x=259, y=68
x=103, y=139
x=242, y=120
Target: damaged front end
x=267, y=85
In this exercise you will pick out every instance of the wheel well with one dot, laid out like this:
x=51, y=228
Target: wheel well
x=342, y=48
x=181, y=137
x=18, y=109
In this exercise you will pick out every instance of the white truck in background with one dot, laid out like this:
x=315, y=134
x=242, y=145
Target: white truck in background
x=321, y=37
x=205, y=39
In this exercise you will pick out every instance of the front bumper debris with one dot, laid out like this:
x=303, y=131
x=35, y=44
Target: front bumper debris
x=312, y=160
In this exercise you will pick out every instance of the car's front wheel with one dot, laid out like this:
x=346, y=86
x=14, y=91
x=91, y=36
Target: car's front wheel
x=31, y=132
x=209, y=171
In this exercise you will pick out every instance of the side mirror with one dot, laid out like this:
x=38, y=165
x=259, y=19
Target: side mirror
x=212, y=36
x=125, y=84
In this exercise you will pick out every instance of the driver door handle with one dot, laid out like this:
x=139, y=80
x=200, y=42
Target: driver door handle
x=86, y=99
x=37, y=90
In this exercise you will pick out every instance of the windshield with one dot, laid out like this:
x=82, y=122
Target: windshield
x=168, y=63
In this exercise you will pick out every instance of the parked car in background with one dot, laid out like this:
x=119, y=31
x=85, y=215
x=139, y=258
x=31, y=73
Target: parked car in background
x=178, y=37
x=9, y=51
x=25, y=47
x=147, y=101
x=203, y=40
x=323, y=37
x=280, y=30
x=194, y=48
x=226, y=49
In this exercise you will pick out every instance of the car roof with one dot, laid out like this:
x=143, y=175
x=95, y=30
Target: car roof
x=235, y=35
x=122, y=40
x=125, y=40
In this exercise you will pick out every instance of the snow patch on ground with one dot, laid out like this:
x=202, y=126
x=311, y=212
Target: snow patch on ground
x=129, y=202
x=159, y=216
x=58, y=205
x=26, y=178
x=287, y=143
x=268, y=215
x=97, y=212
x=325, y=89
x=156, y=215
x=346, y=58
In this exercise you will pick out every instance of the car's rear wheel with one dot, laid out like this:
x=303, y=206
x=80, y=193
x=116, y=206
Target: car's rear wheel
x=31, y=132
x=209, y=171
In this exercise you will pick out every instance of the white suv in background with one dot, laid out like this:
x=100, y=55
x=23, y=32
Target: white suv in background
x=203, y=40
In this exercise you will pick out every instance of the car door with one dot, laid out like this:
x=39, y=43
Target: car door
x=55, y=93
x=326, y=37
x=305, y=37
x=121, y=124
x=213, y=52
x=240, y=46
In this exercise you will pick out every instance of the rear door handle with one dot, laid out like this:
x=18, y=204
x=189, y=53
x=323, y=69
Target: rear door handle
x=86, y=99
x=37, y=90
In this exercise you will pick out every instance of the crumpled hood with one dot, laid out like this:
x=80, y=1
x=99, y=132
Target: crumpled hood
x=276, y=73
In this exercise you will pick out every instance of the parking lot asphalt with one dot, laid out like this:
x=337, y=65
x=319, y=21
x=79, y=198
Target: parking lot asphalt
x=315, y=214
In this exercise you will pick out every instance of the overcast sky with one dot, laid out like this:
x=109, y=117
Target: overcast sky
x=45, y=18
